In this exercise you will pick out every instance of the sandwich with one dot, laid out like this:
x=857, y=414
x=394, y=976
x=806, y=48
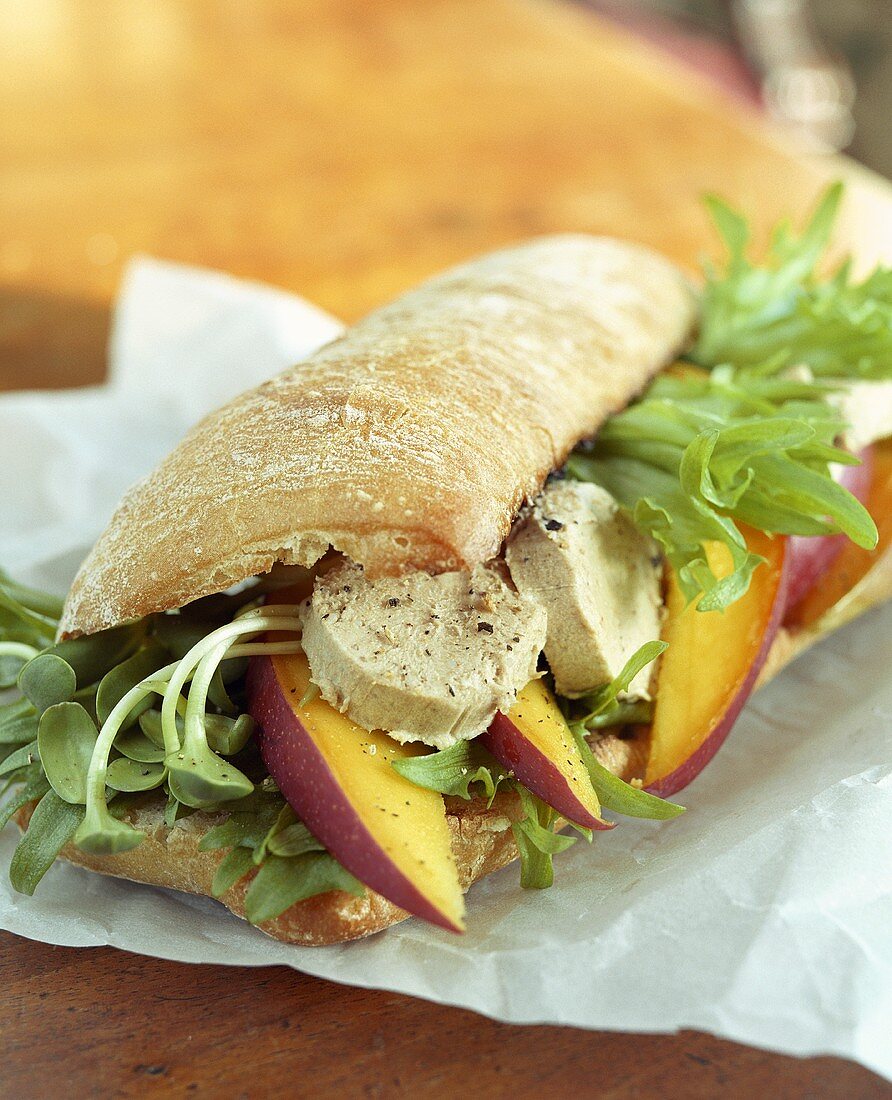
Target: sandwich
x=484, y=576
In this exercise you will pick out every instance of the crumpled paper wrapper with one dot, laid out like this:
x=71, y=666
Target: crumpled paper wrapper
x=763, y=915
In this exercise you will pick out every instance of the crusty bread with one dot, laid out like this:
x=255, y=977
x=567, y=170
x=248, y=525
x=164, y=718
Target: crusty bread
x=481, y=838
x=410, y=442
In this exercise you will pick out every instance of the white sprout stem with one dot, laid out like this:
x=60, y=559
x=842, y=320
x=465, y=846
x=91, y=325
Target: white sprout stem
x=195, y=709
x=18, y=649
x=96, y=773
x=251, y=623
x=199, y=664
x=204, y=674
x=289, y=610
x=194, y=730
x=258, y=649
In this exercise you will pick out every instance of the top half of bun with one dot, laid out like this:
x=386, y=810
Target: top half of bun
x=409, y=442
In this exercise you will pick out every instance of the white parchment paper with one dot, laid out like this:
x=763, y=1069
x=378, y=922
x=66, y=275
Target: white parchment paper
x=764, y=914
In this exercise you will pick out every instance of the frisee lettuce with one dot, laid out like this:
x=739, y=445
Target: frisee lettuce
x=744, y=440
x=781, y=312
x=699, y=455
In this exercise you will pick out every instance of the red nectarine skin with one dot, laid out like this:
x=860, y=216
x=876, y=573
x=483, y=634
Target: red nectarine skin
x=719, y=726
x=537, y=772
x=308, y=783
x=811, y=557
x=853, y=564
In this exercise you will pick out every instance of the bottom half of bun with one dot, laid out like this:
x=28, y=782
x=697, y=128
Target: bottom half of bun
x=482, y=842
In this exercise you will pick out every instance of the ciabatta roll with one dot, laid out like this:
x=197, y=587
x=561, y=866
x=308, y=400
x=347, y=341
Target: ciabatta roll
x=408, y=443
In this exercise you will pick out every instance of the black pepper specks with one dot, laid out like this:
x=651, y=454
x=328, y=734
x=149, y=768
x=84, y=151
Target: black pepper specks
x=553, y=525
x=484, y=628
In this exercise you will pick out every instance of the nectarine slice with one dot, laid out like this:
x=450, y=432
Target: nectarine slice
x=809, y=558
x=535, y=743
x=390, y=834
x=853, y=562
x=711, y=665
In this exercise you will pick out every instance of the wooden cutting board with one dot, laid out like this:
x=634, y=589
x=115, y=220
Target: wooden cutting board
x=343, y=149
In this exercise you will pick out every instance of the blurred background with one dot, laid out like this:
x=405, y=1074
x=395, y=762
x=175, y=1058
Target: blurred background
x=822, y=67
x=345, y=149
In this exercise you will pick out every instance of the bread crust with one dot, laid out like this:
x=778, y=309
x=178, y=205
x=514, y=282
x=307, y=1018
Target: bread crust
x=482, y=839
x=482, y=842
x=410, y=442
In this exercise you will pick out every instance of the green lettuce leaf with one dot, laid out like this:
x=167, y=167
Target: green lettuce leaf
x=34, y=787
x=745, y=440
x=615, y=794
x=454, y=770
x=537, y=842
x=291, y=864
x=231, y=869
x=781, y=312
x=283, y=881
x=52, y=826
x=602, y=706
x=701, y=453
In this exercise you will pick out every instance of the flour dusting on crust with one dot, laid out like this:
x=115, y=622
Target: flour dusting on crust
x=409, y=442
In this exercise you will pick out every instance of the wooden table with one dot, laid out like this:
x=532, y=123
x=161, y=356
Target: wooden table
x=342, y=149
